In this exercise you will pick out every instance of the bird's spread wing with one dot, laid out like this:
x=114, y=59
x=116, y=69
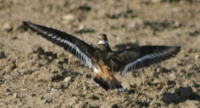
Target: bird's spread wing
x=139, y=57
x=75, y=46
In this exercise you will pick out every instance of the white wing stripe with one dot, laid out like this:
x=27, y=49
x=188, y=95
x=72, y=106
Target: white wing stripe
x=146, y=57
x=81, y=55
x=58, y=39
x=49, y=35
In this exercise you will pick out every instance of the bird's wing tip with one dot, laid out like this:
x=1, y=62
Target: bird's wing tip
x=24, y=22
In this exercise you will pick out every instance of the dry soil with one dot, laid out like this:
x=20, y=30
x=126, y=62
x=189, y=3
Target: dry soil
x=35, y=73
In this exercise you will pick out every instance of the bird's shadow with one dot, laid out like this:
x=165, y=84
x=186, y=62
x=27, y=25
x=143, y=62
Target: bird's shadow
x=181, y=94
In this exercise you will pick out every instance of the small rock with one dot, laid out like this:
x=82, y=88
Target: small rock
x=172, y=75
x=67, y=79
x=84, y=87
x=68, y=17
x=177, y=24
x=197, y=57
x=162, y=92
x=158, y=70
x=7, y=27
x=15, y=95
x=53, y=90
x=81, y=27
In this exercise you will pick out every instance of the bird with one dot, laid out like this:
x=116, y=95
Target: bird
x=102, y=59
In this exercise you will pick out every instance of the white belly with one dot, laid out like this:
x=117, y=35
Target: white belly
x=96, y=70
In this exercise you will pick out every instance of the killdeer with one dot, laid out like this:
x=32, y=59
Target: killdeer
x=102, y=59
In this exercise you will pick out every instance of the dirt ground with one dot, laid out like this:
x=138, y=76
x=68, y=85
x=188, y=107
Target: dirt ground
x=35, y=73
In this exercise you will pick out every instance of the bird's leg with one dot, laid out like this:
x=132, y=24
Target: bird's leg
x=95, y=83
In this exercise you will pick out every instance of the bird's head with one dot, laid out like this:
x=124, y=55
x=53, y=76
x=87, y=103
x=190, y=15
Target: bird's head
x=102, y=39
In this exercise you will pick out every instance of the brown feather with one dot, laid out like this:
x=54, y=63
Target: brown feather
x=106, y=79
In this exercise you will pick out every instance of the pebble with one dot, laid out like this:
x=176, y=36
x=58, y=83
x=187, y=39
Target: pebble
x=197, y=57
x=172, y=75
x=158, y=70
x=81, y=27
x=177, y=24
x=162, y=92
x=53, y=90
x=7, y=27
x=15, y=95
x=68, y=17
x=85, y=87
x=67, y=79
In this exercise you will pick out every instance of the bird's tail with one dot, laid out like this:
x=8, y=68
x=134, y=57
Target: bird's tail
x=106, y=79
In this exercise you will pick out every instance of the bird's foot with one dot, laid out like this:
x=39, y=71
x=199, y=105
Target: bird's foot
x=95, y=83
x=122, y=89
